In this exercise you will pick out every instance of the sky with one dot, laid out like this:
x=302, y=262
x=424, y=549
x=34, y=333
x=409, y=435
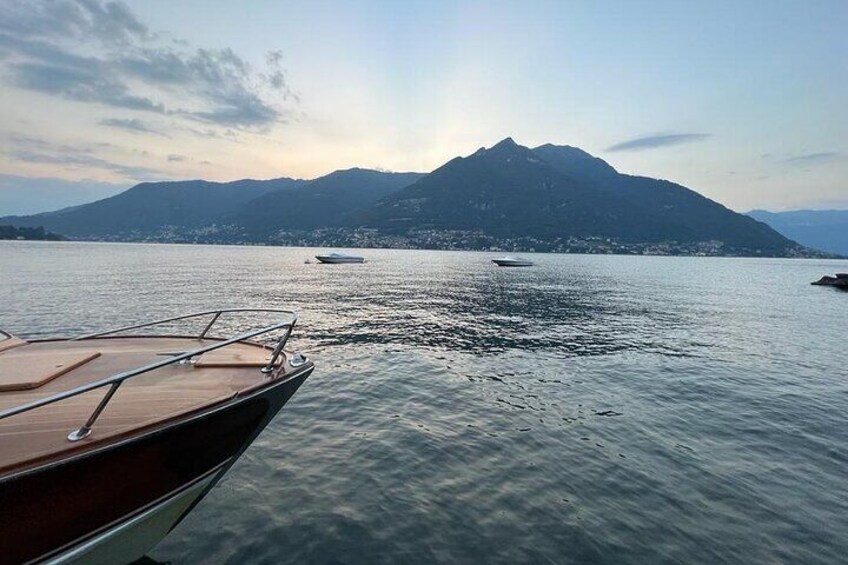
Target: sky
x=744, y=102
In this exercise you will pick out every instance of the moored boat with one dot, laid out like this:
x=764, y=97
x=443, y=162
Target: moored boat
x=335, y=258
x=512, y=262
x=839, y=281
x=108, y=440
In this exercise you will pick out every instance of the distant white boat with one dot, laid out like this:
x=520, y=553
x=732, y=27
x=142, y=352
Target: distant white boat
x=335, y=258
x=512, y=262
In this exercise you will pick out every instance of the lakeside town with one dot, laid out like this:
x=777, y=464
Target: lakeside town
x=446, y=240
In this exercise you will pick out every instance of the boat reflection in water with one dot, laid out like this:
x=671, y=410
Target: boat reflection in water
x=107, y=441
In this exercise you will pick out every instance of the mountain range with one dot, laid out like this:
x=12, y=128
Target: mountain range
x=550, y=197
x=553, y=192
x=820, y=229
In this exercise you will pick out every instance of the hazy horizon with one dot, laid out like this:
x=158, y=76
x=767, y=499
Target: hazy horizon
x=742, y=103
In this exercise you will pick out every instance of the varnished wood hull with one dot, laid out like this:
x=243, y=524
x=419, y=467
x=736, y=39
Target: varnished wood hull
x=64, y=510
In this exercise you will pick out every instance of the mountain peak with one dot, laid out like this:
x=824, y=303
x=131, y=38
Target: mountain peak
x=506, y=142
x=505, y=149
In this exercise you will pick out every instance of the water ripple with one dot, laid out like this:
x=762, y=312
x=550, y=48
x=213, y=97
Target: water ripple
x=591, y=409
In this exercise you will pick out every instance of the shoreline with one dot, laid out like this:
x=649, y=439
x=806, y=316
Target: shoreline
x=822, y=257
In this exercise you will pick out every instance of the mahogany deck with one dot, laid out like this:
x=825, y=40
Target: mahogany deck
x=41, y=434
x=24, y=371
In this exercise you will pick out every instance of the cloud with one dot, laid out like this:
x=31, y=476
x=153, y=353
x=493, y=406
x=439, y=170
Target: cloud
x=173, y=158
x=37, y=143
x=814, y=158
x=274, y=57
x=109, y=22
x=655, y=141
x=130, y=124
x=100, y=53
x=84, y=160
x=210, y=133
x=36, y=150
x=81, y=84
x=248, y=111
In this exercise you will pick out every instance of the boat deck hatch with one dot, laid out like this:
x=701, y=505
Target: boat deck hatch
x=232, y=357
x=10, y=341
x=20, y=370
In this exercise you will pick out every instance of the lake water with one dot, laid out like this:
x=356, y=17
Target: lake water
x=601, y=409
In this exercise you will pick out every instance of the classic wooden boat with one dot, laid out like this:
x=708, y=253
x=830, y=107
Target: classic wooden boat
x=108, y=440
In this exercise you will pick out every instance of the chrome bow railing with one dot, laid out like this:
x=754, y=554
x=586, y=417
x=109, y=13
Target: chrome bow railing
x=115, y=381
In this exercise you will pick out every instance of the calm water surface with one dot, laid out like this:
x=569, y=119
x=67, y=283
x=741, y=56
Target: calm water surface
x=591, y=409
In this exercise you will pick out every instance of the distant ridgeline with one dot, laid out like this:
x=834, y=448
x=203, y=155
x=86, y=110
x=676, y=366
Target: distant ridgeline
x=38, y=233
x=820, y=229
x=507, y=197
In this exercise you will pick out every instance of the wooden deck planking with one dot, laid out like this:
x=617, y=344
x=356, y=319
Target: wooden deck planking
x=235, y=358
x=20, y=370
x=142, y=401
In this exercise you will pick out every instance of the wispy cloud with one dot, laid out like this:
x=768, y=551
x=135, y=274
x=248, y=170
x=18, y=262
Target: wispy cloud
x=83, y=85
x=174, y=158
x=221, y=134
x=35, y=150
x=814, y=158
x=100, y=53
x=110, y=22
x=87, y=161
x=656, y=141
x=130, y=124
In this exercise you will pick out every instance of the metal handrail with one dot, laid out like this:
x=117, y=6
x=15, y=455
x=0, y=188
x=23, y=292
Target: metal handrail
x=216, y=314
x=117, y=379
